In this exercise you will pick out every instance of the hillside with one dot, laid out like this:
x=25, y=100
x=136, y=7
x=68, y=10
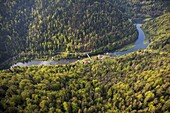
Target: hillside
x=141, y=9
x=41, y=29
x=159, y=36
x=14, y=19
x=136, y=82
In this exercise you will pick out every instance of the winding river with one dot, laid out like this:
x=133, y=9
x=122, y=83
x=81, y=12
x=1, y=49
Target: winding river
x=139, y=44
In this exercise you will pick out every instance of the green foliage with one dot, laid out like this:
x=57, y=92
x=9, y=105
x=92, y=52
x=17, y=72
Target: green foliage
x=148, y=96
x=159, y=36
x=41, y=29
x=136, y=82
x=141, y=9
x=166, y=106
x=132, y=83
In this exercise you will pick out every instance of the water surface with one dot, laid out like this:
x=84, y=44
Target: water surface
x=139, y=44
x=52, y=62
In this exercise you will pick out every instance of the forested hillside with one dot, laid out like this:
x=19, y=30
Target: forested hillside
x=142, y=9
x=15, y=17
x=136, y=83
x=159, y=36
x=41, y=28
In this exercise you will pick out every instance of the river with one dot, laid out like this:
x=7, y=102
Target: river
x=139, y=44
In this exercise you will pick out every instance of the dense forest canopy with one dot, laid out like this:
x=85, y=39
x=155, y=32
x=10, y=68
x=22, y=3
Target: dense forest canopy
x=138, y=82
x=159, y=36
x=38, y=28
x=143, y=8
x=42, y=29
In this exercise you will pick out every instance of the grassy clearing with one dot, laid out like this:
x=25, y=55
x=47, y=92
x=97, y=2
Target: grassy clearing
x=146, y=38
x=126, y=47
x=147, y=19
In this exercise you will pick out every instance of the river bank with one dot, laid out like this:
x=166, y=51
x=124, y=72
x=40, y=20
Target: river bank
x=140, y=43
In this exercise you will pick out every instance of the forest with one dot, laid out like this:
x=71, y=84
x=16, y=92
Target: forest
x=37, y=29
x=42, y=29
x=141, y=9
x=138, y=82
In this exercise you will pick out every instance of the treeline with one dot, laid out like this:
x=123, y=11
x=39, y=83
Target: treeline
x=40, y=28
x=136, y=82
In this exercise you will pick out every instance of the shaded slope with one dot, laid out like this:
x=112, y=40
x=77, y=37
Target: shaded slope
x=14, y=19
x=78, y=26
x=36, y=29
